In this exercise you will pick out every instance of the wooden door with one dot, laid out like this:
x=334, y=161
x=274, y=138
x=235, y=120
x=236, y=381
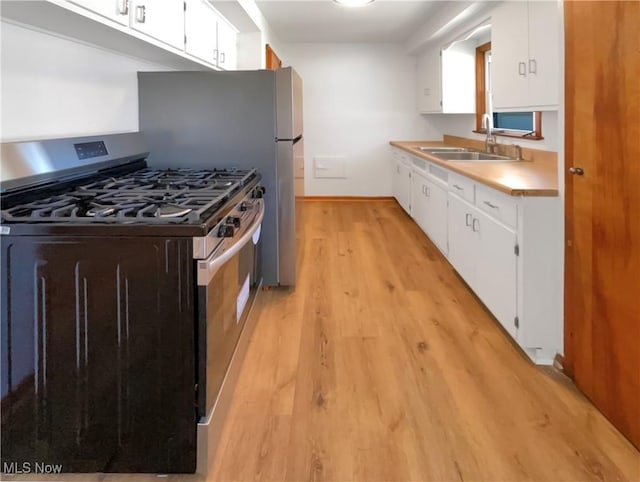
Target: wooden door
x=273, y=61
x=602, y=250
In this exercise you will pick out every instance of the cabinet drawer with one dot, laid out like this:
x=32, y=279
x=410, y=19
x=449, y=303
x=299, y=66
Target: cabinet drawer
x=502, y=207
x=462, y=186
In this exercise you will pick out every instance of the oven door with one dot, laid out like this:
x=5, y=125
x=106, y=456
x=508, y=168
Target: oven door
x=227, y=286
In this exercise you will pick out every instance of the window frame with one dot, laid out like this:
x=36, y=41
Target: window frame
x=481, y=106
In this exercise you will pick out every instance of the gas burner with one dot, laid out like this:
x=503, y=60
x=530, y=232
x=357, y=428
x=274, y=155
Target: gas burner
x=146, y=195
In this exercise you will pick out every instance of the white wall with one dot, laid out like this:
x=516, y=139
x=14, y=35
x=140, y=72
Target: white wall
x=357, y=97
x=55, y=87
x=463, y=124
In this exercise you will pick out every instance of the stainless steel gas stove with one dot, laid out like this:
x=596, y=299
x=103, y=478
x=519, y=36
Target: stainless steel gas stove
x=146, y=195
x=125, y=292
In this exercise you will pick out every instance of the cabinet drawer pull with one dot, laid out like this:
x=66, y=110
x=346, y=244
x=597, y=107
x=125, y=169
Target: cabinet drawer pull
x=215, y=57
x=427, y=192
x=473, y=226
x=222, y=57
x=533, y=66
x=522, y=68
x=466, y=220
x=123, y=7
x=141, y=13
x=423, y=186
x=458, y=187
x=492, y=206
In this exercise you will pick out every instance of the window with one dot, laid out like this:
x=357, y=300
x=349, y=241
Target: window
x=510, y=124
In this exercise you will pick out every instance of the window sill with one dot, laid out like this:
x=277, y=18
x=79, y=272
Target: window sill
x=528, y=137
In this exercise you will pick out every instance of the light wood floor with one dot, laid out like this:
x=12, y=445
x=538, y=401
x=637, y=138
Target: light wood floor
x=382, y=366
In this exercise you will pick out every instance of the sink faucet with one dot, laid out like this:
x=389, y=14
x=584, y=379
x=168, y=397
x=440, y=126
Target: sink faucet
x=490, y=141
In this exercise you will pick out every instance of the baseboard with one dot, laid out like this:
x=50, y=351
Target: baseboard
x=348, y=198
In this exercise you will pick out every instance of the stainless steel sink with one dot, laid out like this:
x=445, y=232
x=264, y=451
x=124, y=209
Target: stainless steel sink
x=432, y=150
x=472, y=156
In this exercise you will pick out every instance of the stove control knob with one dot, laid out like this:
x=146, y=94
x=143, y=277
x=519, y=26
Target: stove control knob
x=226, y=231
x=258, y=192
x=244, y=206
x=233, y=221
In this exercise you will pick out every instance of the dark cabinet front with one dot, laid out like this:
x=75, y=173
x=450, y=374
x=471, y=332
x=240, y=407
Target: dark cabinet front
x=98, y=368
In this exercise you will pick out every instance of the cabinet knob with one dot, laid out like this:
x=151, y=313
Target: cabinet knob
x=578, y=171
x=123, y=7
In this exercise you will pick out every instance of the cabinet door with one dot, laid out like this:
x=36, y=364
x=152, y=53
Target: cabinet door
x=496, y=266
x=509, y=55
x=543, y=63
x=419, y=200
x=117, y=10
x=429, y=90
x=162, y=20
x=405, y=187
x=437, y=215
x=227, y=48
x=395, y=177
x=200, y=30
x=462, y=243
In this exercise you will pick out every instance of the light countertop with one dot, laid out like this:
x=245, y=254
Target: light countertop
x=535, y=176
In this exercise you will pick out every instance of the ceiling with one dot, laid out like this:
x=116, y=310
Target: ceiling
x=326, y=21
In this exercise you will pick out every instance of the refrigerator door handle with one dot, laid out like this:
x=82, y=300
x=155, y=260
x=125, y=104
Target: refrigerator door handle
x=294, y=140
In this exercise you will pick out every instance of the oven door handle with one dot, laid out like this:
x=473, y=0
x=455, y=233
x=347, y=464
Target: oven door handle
x=208, y=268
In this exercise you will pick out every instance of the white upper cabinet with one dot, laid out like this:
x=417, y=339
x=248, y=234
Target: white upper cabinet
x=160, y=19
x=227, y=55
x=117, y=10
x=200, y=30
x=209, y=36
x=180, y=34
x=544, y=58
x=429, y=90
x=524, y=55
x=446, y=79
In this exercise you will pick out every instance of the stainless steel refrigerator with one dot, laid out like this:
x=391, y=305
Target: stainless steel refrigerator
x=233, y=119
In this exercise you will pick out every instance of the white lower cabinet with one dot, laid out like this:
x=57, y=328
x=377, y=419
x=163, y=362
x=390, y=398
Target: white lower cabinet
x=483, y=251
x=402, y=180
x=462, y=244
x=418, y=200
x=496, y=269
x=437, y=215
x=504, y=247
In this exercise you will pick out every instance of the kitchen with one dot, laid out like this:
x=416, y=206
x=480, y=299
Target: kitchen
x=326, y=355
